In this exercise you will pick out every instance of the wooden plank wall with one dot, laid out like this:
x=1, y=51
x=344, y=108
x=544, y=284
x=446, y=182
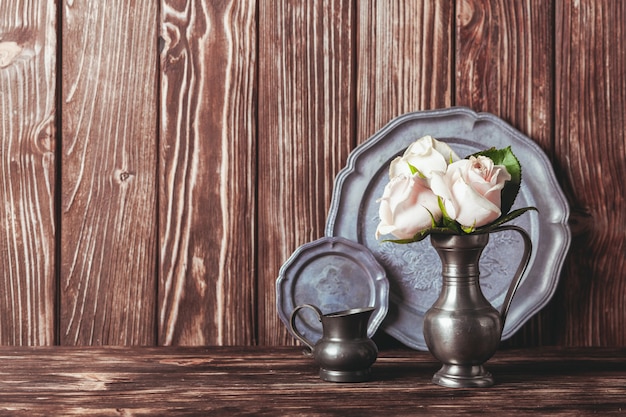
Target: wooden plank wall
x=159, y=164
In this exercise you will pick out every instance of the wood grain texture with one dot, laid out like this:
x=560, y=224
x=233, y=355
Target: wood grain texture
x=208, y=173
x=200, y=141
x=27, y=171
x=590, y=148
x=108, y=219
x=504, y=65
x=278, y=381
x=405, y=60
x=504, y=62
x=305, y=124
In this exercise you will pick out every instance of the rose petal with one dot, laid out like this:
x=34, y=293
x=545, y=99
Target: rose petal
x=473, y=208
x=427, y=155
x=406, y=207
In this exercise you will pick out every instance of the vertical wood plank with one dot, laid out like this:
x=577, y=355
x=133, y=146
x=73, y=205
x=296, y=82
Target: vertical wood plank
x=504, y=65
x=405, y=60
x=27, y=171
x=208, y=173
x=504, y=62
x=108, y=224
x=591, y=152
x=305, y=132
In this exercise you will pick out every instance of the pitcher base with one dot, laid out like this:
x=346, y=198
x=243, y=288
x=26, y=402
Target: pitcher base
x=458, y=376
x=345, y=376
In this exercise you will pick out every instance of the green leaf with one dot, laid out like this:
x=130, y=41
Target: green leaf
x=504, y=219
x=433, y=222
x=414, y=171
x=403, y=241
x=418, y=236
x=509, y=160
x=446, y=220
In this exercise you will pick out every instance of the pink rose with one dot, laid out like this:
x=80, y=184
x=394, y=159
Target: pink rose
x=471, y=190
x=427, y=155
x=404, y=207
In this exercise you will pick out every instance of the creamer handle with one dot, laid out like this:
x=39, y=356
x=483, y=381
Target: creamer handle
x=295, y=330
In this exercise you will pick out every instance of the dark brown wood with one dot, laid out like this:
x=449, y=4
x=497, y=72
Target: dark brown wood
x=28, y=48
x=208, y=173
x=405, y=59
x=198, y=144
x=504, y=62
x=108, y=209
x=305, y=124
x=281, y=381
x=504, y=65
x=591, y=157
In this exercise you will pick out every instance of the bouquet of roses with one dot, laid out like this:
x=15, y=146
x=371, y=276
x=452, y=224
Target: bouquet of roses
x=432, y=190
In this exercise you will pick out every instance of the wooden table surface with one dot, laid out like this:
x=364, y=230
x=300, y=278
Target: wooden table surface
x=255, y=381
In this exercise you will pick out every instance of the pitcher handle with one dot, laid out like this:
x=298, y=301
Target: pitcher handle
x=296, y=332
x=528, y=246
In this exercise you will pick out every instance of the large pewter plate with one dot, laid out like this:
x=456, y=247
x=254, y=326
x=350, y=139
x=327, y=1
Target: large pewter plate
x=414, y=270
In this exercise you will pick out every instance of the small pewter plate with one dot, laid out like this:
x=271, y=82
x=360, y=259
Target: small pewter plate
x=414, y=270
x=334, y=274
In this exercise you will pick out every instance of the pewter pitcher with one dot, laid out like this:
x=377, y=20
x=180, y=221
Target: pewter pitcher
x=345, y=353
x=462, y=329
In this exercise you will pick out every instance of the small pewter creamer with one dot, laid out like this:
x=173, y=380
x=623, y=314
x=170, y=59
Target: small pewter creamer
x=462, y=329
x=344, y=353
